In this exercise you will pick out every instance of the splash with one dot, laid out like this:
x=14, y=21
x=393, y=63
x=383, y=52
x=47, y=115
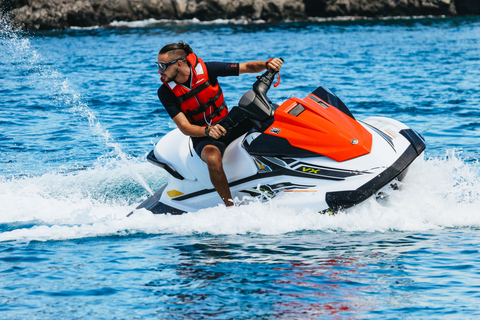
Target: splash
x=20, y=51
x=438, y=193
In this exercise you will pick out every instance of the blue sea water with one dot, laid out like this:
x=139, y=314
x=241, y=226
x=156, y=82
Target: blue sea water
x=79, y=113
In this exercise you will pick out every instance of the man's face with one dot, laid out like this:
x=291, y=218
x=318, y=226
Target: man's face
x=171, y=72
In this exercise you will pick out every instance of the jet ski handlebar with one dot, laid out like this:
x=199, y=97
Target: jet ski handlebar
x=254, y=104
x=264, y=82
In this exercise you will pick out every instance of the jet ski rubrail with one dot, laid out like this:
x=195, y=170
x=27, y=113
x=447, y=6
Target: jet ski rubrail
x=305, y=153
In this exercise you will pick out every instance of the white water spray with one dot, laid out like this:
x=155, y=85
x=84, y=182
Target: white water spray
x=20, y=51
x=438, y=193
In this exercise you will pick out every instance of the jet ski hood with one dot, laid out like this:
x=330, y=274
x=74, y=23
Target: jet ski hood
x=313, y=125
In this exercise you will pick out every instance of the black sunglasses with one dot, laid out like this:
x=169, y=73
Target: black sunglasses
x=164, y=65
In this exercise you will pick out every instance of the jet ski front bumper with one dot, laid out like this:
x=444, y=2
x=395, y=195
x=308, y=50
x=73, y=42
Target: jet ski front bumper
x=344, y=199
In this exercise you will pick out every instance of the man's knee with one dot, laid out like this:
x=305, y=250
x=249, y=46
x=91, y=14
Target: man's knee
x=212, y=157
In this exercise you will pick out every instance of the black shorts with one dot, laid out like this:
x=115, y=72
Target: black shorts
x=201, y=142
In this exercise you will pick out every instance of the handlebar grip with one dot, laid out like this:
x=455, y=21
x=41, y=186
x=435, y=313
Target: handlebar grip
x=224, y=123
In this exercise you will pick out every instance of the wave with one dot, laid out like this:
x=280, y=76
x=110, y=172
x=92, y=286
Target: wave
x=360, y=18
x=168, y=22
x=151, y=23
x=437, y=193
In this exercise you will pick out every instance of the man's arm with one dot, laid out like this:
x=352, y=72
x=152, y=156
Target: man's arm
x=258, y=66
x=169, y=101
x=192, y=130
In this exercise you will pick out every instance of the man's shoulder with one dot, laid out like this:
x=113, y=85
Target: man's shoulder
x=160, y=90
x=164, y=93
x=216, y=69
x=163, y=89
x=169, y=101
x=217, y=64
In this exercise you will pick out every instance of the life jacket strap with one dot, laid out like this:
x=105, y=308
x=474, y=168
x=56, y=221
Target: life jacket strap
x=216, y=112
x=193, y=92
x=203, y=107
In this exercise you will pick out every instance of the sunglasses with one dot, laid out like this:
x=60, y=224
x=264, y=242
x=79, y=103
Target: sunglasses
x=164, y=65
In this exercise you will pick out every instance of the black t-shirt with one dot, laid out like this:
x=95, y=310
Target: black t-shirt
x=214, y=70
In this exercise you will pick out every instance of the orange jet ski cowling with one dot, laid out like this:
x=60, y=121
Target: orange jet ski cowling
x=314, y=125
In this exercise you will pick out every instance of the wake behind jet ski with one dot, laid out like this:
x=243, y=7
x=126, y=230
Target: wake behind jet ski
x=305, y=153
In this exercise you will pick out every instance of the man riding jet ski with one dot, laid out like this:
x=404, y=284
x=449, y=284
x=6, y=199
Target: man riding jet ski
x=193, y=98
x=305, y=153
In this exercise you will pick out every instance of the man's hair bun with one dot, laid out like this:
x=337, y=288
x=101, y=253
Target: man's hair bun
x=177, y=46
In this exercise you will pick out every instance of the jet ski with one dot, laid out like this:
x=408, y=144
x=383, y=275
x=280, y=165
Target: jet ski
x=305, y=153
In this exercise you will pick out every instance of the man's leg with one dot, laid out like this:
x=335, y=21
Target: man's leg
x=213, y=158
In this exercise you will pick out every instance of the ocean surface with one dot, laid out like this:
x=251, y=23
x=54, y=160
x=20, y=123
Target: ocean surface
x=79, y=113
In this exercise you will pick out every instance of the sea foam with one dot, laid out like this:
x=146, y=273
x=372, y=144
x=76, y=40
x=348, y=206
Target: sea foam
x=437, y=193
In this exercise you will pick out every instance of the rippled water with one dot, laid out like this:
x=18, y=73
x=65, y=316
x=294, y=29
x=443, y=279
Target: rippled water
x=79, y=113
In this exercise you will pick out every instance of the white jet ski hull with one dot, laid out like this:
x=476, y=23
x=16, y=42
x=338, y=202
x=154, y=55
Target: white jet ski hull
x=318, y=183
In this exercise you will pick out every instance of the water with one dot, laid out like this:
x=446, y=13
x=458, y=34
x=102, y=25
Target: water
x=79, y=113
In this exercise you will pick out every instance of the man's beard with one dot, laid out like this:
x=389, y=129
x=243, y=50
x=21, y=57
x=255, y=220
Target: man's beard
x=172, y=78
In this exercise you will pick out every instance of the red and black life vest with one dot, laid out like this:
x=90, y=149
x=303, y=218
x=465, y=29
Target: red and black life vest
x=202, y=103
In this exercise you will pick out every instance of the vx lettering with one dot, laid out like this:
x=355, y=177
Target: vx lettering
x=310, y=170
